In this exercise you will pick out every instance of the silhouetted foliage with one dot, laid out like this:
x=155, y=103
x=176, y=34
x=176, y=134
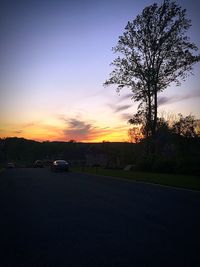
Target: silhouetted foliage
x=176, y=147
x=186, y=126
x=24, y=152
x=154, y=52
x=174, y=152
x=135, y=134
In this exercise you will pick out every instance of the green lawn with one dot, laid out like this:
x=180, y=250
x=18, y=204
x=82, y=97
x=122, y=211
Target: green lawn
x=175, y=180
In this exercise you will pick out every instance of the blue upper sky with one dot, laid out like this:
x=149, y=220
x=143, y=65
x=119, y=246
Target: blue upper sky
x=55, y=57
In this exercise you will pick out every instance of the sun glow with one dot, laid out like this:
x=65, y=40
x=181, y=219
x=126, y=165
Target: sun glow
x=79, y=132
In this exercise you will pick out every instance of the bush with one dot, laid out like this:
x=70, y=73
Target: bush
x=144, y=164
x=190, y=165
x=164, y=165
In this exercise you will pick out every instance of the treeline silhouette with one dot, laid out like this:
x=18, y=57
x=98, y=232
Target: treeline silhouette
x=24, y=152
x=175, y=153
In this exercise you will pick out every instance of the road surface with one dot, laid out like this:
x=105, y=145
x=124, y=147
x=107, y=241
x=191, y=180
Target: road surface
x=70, y=219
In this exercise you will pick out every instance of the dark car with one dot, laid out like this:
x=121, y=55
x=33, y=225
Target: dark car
x=60, y=165
x=10, y=165
x=38, y=164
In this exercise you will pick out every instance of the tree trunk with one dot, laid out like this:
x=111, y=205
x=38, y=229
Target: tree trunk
x=149, y=113
x=154, y=130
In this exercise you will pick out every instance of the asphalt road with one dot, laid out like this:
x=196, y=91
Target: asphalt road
x=71, y=219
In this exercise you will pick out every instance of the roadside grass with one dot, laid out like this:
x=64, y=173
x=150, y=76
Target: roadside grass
x=174, y=180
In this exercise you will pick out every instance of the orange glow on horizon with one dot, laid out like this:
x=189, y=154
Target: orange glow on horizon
x=51, y=133
x=135, y=134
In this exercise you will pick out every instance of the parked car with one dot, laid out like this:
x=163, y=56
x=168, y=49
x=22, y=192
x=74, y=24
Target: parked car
x=10, y=165
x=60, y=165
x=38, y=164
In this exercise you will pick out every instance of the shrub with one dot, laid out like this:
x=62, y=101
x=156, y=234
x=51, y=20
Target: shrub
x=164, y=165
x=144, y=164
x=190, y=165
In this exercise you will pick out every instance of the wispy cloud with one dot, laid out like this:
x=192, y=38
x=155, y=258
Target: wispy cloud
x=77, y=129
x=119, y=108
x=18, y=132
x=86, y=131
x=176, y=98
x=122, y=103
x=126, y=96
x=122, y=108
x=126, y=116
x=82, y=130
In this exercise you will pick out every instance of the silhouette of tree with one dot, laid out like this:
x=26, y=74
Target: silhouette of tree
x=186, y=126
x=135, y=134
x=154, y=52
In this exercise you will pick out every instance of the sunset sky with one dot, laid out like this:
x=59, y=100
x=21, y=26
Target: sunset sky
x=55, y=57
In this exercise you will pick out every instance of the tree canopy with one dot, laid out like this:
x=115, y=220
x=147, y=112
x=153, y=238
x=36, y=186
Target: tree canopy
x=154, y=52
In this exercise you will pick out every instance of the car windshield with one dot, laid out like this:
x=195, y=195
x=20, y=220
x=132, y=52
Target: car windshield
x=61, y=161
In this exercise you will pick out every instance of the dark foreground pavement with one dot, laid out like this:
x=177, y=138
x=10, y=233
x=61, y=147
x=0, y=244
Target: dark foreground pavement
x=70, y=219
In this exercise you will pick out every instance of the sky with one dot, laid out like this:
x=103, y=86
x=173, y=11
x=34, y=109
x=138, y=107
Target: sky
x=55, y=56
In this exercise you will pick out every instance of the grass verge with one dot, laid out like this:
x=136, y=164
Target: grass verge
x=175, y=180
